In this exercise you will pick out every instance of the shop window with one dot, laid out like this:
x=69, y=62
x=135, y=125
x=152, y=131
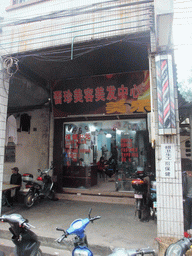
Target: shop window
x=85, y=142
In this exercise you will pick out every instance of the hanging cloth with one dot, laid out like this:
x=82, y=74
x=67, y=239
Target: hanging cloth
x=11, y=130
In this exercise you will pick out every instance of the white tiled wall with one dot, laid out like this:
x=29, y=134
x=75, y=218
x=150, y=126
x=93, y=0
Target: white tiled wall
x=77, y=21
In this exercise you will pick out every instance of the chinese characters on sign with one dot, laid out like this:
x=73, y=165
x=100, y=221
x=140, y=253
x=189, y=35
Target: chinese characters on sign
x=72, y=145
x=127, y=150
x=121, y=93
x=168, y=161
x=88, y=95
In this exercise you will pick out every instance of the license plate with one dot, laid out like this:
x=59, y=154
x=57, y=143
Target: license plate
x=24, y=191
x=154, y=204
x=138, y=196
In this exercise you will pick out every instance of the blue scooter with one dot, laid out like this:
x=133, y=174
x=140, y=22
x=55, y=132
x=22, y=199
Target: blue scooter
x=77, y=228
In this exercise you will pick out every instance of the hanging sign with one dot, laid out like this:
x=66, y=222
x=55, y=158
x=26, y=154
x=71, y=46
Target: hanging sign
x=123, y=93
x=168, y=160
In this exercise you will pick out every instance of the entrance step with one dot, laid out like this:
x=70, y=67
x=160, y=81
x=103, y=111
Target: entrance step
x=97, y=195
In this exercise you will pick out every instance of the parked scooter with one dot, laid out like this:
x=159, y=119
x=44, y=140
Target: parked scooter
x=140, y=185
x=26, y=241
x=77, y=228
x=42, y=188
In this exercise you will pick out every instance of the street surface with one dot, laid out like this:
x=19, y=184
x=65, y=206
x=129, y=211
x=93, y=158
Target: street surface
x=117, y=228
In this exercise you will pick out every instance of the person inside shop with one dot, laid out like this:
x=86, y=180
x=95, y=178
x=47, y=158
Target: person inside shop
x=112, y=164
x=101, y=167
x=187, y=201
x=15, y=179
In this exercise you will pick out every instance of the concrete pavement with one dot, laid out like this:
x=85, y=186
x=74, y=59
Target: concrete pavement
x=118, y=226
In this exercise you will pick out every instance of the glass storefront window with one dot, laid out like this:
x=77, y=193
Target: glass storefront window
x=85, y=142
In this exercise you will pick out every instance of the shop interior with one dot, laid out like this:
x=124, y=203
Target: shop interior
x=84, y=143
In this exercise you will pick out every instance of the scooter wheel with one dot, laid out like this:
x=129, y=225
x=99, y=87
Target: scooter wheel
x=29, y=199
x=51, y=195
x=139, y=214
x=138, y=208
x=39, y=253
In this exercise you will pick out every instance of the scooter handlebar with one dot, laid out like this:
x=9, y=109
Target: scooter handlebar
x=27, y=225
x=21, y=222
x=95, y=218
x=60, y=229
x=60, y=239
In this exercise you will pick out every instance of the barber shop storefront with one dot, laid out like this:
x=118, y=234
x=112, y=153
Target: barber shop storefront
x=100, y=116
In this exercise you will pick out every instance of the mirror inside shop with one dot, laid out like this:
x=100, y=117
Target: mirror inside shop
x=85, y=142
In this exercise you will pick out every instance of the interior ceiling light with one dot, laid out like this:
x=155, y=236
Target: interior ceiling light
x=92, y=128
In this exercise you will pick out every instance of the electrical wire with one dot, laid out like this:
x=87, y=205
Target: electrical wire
x=71, y=32
x=82, y=8
x=75, y=11
x=47, y=56
x=33, y=43
x=38, y=56
x=131, y=14
x=143, y=27
x=66, y=28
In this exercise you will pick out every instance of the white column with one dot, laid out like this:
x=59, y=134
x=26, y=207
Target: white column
x=190, y=123
x=4, y=92
x=169, y=189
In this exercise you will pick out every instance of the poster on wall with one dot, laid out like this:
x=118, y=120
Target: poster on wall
x=121, y=93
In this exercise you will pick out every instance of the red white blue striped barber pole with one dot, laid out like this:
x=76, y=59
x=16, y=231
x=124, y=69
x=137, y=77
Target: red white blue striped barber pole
x=165, y=94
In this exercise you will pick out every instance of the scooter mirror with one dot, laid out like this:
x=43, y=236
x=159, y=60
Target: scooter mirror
x=90, y=210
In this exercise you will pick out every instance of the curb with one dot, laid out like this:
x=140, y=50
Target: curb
x=49, y=246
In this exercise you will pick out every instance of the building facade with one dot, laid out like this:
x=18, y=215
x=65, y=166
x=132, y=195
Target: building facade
x=95, y=69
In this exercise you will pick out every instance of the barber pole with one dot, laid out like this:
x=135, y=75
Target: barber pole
x=165, y=99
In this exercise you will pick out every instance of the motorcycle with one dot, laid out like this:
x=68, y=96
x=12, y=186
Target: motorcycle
x=140, y=186
x=77, y=228
x=26, y=241
x=42, y=188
